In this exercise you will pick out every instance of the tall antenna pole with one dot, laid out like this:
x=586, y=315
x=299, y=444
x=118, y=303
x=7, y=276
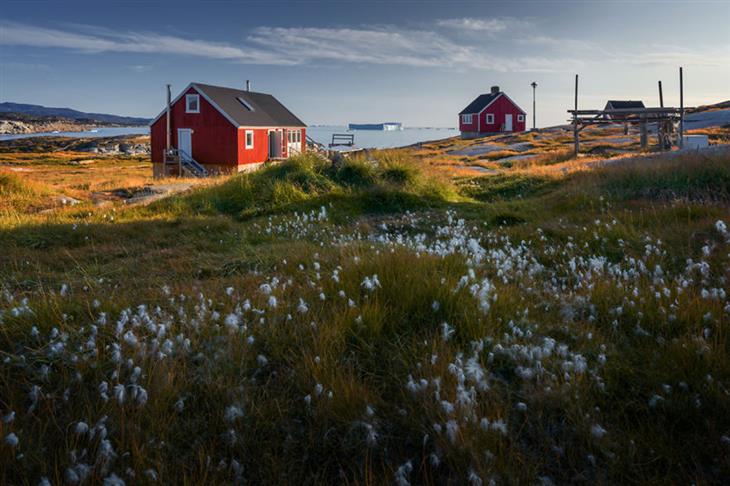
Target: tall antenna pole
x=534, y=85
x=661, y=95
x=169, y=101
x=681, y=109
x=575, y=119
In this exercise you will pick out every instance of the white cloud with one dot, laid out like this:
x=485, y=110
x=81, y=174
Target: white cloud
x=488, y=25
x=387, y=45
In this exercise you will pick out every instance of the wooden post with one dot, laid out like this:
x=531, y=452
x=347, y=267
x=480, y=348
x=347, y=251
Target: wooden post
x=681, y=109
x=575, y=119
x=661, y=95
x=644, y=133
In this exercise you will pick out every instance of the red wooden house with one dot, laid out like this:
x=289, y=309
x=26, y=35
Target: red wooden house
x=491, y=113
x=221, y=130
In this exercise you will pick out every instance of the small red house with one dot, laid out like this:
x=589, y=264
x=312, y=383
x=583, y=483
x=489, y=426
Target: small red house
x=221, y=130
x=491, y=113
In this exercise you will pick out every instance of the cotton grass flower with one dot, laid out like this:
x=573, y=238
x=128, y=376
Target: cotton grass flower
x=119, y=393
x=597, y=431
x=231, y=322
x=11, y=440
x=81, y=428
x=233, y=413
x=403, y=473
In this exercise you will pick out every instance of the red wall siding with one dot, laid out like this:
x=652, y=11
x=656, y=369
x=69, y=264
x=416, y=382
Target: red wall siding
x=215, y=139
x=501, y=107
x=468, y=127
x=158, y=139
x=260, y=150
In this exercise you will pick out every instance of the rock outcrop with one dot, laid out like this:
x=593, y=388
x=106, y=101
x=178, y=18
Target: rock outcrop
x=17, y=127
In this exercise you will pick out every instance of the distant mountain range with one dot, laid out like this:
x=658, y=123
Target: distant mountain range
x=68, y=113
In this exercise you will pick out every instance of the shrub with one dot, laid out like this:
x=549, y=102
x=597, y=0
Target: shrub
x=355, y=172
x=389, y=183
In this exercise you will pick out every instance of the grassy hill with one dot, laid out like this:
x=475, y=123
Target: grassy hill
x=377, y=322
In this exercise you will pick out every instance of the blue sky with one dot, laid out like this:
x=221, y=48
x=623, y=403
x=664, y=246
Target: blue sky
x=338, y=62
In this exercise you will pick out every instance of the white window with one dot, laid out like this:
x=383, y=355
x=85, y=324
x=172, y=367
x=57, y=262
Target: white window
x=294, y=136
x=192, y=103
x=466, y=119
x=249, y=139
x=520, y=118
x=490, y=118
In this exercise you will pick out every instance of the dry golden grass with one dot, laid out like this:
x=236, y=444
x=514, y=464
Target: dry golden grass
x=87, y=177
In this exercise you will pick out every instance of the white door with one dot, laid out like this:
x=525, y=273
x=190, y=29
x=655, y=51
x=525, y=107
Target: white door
x=185, y=142
x=508, y=123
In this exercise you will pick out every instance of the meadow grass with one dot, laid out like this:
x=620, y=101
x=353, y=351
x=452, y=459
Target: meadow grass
x=372, y=323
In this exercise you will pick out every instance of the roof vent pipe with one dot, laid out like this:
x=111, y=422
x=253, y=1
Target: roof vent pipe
x=495, y=89
x=248, y=85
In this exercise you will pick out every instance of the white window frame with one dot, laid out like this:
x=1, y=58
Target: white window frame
x=245, y=140
x=490, y=118
x=188, y=99
x=294, y=135
x=520, y=118
x=467, y=119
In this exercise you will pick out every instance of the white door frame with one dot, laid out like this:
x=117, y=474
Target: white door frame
x=185, y=134
x=508, y=122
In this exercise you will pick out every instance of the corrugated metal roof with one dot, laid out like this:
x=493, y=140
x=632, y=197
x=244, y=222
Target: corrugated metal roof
x=259, y=109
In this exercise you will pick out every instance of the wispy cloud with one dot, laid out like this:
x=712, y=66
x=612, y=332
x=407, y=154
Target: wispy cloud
x=372, y=46
x=383, y=45
x=489, y=25
x=140, y=68
x=483, y=25
x=104, y=40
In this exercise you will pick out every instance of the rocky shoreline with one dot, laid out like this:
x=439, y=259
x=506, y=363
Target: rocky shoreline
x=120, y=145
x=17, y=127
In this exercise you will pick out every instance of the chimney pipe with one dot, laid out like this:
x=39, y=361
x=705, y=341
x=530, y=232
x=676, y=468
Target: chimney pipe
x=495, y=89
x=248, y=85
x=169, y=131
